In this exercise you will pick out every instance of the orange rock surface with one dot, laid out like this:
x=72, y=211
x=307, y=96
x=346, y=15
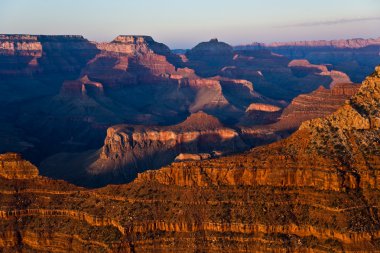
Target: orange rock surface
x=316, y=191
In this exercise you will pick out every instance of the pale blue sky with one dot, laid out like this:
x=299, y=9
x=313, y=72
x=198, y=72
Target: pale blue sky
x=184, y=23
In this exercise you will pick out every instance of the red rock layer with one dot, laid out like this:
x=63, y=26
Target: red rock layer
x=136, y=147
x=317, y=191
x=319, y=103
x=13, y=167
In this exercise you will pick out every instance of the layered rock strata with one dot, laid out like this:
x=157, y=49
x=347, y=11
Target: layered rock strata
x=68, y=91
x=132, y=149
x=356, y=57
x=318, y=103
x=316, y=191
x=279, y=124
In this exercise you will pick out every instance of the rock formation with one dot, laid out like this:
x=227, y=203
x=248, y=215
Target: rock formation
x=277, y=77
x=77, y=89
x=337, y=156
x=356, y=57
x=207, y=58
x=62, y=93
x=303, y=68
x=260, y=114
x=12, y=166
x=130, y=149
x=274, y=76
x=279, y=124
x=316, y=104
x=192, y=157
x=31, y=54
x=316, y=191
x=349, y=43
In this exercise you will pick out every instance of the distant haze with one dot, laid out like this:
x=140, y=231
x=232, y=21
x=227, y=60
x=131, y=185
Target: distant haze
x=184, y=23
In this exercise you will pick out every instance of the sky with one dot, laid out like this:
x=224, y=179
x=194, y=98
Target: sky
x=184, y=23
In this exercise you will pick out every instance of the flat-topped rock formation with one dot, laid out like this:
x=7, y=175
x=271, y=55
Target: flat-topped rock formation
x=130, y=149
x=303, y=68
x=262, y=108
x=260, y=114
x=192, y=157
x=33, y=54
x=149, y=52
x=12, y=166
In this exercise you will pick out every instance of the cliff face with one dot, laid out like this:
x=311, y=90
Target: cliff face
x=128, y=146
x=129, y=149
x=32, y=54
x=260, y=114
x=316, y=191
x=13, y=167
x=303, y=68
x=276, y=125
x=316, y=104
x=34, y=66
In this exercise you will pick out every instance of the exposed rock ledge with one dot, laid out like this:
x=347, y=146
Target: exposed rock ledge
x=12, y=166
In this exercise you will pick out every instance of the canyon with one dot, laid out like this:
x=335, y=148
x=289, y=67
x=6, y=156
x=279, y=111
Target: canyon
x=98, y=113
x=315, y=191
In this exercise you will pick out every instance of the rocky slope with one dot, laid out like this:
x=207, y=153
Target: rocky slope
x=129, y=149
x=13, y=167
x=275, y=125
x=316, y=191
x=207, y=58
x=316, y=104
x=356, y=57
